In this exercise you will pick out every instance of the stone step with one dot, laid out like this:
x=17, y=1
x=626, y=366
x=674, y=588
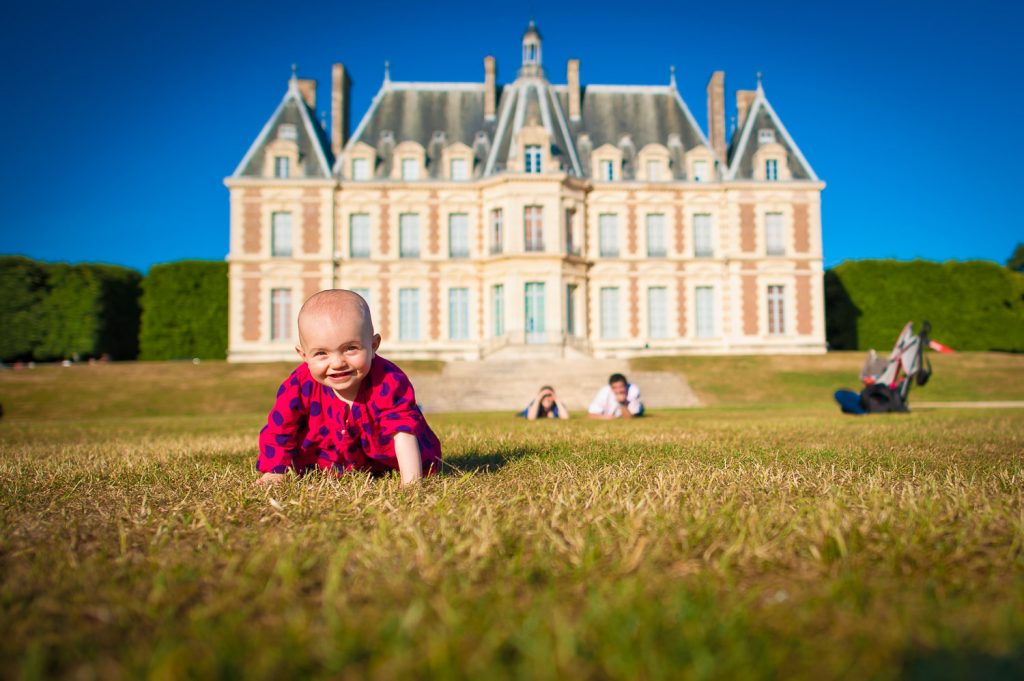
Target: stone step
x=509, y=385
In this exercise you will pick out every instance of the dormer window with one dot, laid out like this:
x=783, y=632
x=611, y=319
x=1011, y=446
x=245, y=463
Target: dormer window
x=410, y=169
x=360, y=169
x=765, y=136
x=532, y=158
x=653, y=170
x=771, y=170
x=700, y=171
x=281, y=166
x=607, y=170
x=459, y=169
x=288, y=131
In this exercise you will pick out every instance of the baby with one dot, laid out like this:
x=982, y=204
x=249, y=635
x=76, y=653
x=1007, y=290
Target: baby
x=345, y=408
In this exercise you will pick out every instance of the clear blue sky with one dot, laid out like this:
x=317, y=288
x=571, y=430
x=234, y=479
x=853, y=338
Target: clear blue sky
x=122, y=119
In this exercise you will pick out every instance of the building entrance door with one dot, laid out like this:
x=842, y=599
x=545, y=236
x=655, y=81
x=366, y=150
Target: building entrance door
x=534, y=304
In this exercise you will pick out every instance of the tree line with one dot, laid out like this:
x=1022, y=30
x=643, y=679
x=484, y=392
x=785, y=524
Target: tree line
x=57, y=311
x=179, y=310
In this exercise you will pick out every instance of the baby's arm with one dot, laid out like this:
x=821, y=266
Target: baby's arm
x=410, y=465
x=279, y=438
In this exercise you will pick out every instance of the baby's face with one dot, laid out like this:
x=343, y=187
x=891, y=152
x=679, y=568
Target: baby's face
x=338, y=348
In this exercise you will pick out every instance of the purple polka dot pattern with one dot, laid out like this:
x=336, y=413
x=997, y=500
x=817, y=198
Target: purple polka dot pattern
x=311, y=427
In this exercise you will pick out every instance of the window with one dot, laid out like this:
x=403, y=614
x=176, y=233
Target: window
x=458, y=235
x=498, y=309
x=459, y=169
x=610, y=312
x=408, y=235
x=702, y=247
x=607, y=170
x=534, y=228
x=497, y=231
x=765, y=136
x=773, y=238
x=771, y=169
x=281, y=235
x=364, y=293
x=705, y=311
x=281, y=166
x=408, y=314
x=458, y=313
x=700, y=171
x=608, y=235
x=532, y=158
x=653, y=170
x=288, y=131
x=534, y=309
x=410, y=169
x=570, y=240
x=360, y=169
x=656, y=235
x=280, y=314
x=776, y=310
x=359, y=235
x=657, y=312
x=570, y=309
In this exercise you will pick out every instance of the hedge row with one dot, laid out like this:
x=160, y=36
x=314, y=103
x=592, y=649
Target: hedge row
x=185, y=311
x=53, y=311
x=973, y=305
x=56, y=311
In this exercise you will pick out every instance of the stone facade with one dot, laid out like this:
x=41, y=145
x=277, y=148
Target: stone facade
x=482, y=220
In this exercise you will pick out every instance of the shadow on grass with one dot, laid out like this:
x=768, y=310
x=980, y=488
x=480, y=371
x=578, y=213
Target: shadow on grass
x=483, y=462
x=950, y=665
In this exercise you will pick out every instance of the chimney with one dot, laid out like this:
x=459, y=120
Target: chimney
x=716, y=113
x=744, y=98
x=307, y=88
x=490, y=87
x=572, y=77
x=341, y=87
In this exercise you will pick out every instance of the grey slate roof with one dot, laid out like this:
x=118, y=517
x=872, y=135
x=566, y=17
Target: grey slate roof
x=631, y=117
x=438, y=114
x=314, y=146
x=435, y=115
x=745, y=143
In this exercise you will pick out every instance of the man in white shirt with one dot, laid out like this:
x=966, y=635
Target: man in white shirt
x=618, y=399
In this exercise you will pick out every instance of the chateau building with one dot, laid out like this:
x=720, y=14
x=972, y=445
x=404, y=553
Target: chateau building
x=481, y=219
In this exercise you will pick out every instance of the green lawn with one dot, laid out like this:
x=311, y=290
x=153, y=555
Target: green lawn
x=729, y=542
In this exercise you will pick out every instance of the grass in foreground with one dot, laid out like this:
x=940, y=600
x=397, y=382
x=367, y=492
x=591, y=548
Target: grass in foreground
x=737, y=543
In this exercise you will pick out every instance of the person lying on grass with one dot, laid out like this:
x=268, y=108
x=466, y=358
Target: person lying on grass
x=545, y=405
x=345, y=408
x=620, y=399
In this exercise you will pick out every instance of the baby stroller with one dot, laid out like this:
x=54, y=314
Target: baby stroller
x=887, y=381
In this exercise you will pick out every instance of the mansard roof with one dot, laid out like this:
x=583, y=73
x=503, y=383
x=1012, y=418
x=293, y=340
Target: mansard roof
x=314, y=146
x=436, y=115
x=633, y=116
x=741, y=151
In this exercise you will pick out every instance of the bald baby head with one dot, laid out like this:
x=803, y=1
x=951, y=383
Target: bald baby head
x=335, y=307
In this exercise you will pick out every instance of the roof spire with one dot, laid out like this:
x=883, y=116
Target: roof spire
x=672, y=76
x=387, y=71
x=295, y=71
x=760, y=88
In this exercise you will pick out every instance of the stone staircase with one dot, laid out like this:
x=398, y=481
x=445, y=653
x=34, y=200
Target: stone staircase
x=509, y=384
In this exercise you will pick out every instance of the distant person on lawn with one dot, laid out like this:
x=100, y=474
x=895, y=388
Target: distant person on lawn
x=345, y=408
x=545, y=405
x=618, y=399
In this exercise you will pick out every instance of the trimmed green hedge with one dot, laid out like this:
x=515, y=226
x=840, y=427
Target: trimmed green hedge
x=974, y=305
x=22, y=291
x=61, y=311
x=185, y=311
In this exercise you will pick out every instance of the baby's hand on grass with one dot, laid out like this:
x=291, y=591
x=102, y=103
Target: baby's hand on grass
x=270, y=479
